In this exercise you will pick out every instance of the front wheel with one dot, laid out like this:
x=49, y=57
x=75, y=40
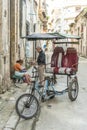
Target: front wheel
x=73, y=90
x=27, y=106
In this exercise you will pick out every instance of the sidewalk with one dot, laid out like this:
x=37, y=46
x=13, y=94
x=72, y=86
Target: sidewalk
x=8, y=116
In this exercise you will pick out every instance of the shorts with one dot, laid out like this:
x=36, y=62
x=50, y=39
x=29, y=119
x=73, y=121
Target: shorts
x=20, y=74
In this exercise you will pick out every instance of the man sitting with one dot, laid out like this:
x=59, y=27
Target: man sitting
x=21, y=72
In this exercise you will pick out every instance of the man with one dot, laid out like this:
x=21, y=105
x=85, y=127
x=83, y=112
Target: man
x=41, y=64
x=20, y=72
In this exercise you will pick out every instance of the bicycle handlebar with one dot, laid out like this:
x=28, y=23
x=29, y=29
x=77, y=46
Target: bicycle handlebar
x=35, y=67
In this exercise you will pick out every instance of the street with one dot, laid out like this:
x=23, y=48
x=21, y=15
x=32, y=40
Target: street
x=64, y=114
x=60, y=113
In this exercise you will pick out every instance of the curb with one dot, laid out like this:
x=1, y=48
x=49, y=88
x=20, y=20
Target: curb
x=12, y=122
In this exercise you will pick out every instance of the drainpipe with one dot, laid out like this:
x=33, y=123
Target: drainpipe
x=12, y=35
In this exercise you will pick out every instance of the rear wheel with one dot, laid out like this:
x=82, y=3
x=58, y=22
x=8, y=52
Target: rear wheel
x=73, y=90
x=27, y=106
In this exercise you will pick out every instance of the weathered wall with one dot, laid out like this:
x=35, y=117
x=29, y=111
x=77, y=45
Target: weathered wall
x=4, y=46
x=80, y=28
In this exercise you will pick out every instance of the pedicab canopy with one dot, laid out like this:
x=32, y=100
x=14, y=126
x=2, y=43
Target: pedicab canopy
x=49, y=36
x=68, y=39
x=70, y=36
x=43, y=36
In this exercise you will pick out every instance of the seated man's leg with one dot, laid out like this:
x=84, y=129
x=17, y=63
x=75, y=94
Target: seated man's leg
x=27, y=78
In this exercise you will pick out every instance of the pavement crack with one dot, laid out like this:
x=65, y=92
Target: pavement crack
x=36, y=119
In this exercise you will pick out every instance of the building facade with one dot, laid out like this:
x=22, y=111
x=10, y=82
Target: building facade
x=4, y=45
x=61, y=18
x=80, y=27
x=18, y=18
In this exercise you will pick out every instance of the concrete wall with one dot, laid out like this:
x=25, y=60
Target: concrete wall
x=18, y=29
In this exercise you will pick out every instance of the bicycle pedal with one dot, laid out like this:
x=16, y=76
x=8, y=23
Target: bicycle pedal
x=51, y=97
x=49, y=92
x=43, y=99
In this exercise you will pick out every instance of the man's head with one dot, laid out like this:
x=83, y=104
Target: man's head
x=38, y=48
x=20, y=61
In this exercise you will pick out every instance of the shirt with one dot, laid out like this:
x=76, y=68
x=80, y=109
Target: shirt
x=41, y=58
x=17, y=67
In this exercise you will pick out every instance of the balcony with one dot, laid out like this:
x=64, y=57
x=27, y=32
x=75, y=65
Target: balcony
x=43, y=18
x=42, y=14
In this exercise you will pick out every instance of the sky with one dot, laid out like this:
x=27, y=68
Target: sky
x=60, y=3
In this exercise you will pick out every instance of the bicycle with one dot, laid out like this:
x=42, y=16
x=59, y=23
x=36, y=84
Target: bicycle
x=30, y=102
x=27, y=105
x=58, y=59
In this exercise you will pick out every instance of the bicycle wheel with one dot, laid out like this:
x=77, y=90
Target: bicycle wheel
x=27, y=106
x=73, y=90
